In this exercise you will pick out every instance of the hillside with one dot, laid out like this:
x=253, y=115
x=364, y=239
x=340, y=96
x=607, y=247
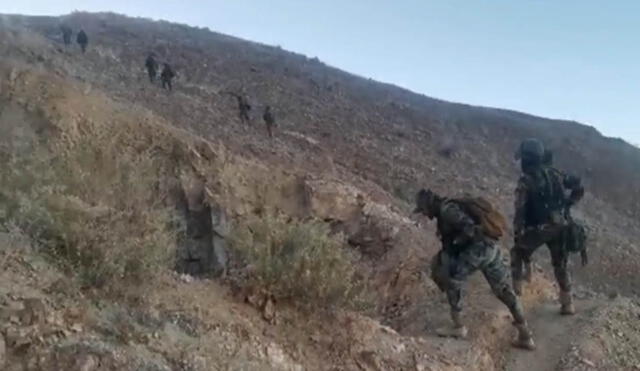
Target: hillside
x=348, y=151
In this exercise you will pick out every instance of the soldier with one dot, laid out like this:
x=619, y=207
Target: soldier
x=466, y=249
x=82, y=40
x=152, y=67
x=66, y=34
x=166, y=76
x=541, y=217
x=243, y=107
x=269, y=120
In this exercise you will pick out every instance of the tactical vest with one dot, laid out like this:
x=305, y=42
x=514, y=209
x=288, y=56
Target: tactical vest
x=546, y=197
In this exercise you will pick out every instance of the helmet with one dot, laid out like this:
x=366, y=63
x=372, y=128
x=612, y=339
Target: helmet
x=531, y=150
x=426, y=201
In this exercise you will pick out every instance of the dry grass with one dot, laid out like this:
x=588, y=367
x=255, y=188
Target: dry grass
x=92, y=206
x=297, y=262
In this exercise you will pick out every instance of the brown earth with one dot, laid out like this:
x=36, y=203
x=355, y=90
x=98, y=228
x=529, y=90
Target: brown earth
x=348, y=151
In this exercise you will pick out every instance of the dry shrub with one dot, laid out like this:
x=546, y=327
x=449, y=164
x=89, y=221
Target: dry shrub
x=92, y=205
x=297, y=262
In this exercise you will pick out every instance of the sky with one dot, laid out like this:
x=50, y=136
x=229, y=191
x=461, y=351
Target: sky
x=568, y=59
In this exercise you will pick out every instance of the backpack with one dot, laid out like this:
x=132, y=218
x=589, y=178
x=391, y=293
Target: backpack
x=546, y=197
x=490, y=219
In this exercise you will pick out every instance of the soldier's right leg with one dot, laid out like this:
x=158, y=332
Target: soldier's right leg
x=496, y=274
x=521, y=254
x=560, y=261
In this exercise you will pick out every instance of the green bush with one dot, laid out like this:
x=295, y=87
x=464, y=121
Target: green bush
x=92, y=206
x=298, y=262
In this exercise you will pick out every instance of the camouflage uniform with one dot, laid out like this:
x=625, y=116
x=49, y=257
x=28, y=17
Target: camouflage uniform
x=66, y=34
x=152, y=67
x=82, y=40
x=243, y=108
x=536, y=224
x=166, y=76
x=269, y=120
x=466, y=251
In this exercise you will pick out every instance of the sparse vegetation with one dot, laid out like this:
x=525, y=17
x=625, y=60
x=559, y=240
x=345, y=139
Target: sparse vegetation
x=297, y=262
x=91, y=206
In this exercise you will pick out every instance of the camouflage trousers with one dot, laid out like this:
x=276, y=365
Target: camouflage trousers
x=530, y=241
x=450, y=272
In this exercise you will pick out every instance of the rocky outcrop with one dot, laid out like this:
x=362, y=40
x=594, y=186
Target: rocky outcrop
x=202, y=246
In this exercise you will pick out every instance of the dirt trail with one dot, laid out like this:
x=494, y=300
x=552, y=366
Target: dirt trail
x=553, y=334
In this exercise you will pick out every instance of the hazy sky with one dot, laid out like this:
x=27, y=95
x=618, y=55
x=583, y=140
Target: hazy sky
x=572, y=59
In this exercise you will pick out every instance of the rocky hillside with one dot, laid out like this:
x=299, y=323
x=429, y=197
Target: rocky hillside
x=347, y=151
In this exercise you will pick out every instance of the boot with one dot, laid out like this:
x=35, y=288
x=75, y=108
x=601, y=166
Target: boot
x=528, y=272
x=458, y=330
x=524, y=339
x=566, y=303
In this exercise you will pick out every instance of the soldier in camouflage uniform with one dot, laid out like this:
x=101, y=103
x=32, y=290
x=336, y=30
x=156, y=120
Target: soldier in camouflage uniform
x=66, y=34
x=465, y=250
x=541, y=217
x=243, y=108
x=83, y=40
x=269, y=120
x=152, y=67
x=166, y=76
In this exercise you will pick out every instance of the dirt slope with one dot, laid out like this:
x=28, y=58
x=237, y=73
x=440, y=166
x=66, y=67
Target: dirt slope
x=348, y=151
x=553, y=333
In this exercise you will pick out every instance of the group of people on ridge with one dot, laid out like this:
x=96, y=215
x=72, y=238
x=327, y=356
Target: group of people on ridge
x=82, y=39
x=469, y=228
x=166, y=76
x=244, y=107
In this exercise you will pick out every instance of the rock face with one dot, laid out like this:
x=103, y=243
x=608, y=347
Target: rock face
x=202, y=247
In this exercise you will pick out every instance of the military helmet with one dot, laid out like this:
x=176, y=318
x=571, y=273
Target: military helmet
x=531, y=150
x=424, y=199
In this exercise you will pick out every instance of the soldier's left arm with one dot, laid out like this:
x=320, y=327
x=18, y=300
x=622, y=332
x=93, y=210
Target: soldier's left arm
x=574, y=184
x=463, y=224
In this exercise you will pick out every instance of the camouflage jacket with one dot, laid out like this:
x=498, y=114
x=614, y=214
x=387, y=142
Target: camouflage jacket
x=456, y=228
x=529, y=184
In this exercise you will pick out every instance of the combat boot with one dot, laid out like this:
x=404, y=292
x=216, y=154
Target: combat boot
x=458, y=330
x=566, y=303
x=524, y=339
x=528, y=272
